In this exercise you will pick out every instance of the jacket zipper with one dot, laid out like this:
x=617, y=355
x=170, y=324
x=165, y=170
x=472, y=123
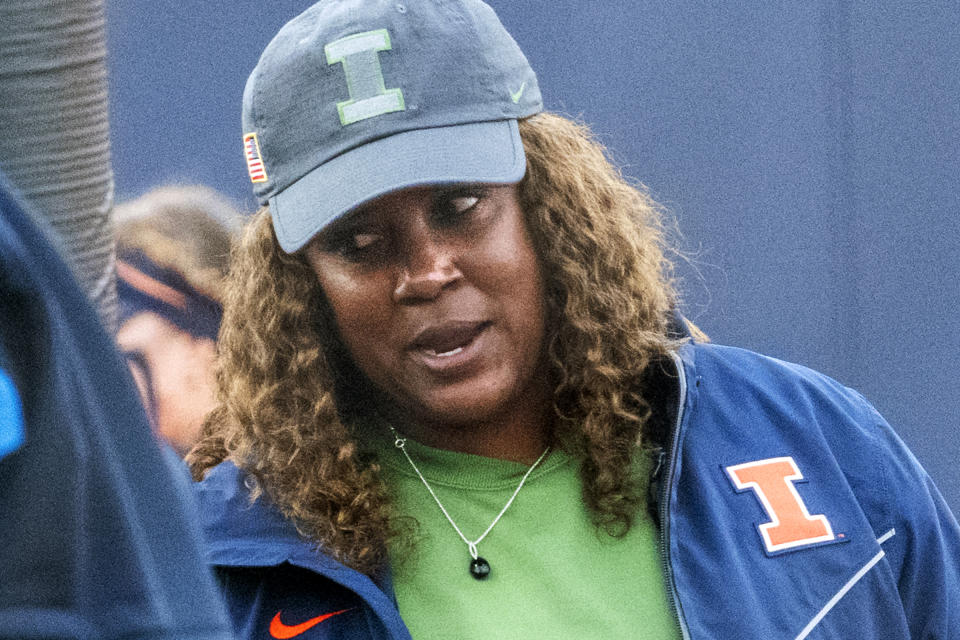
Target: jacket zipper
x=666, y=465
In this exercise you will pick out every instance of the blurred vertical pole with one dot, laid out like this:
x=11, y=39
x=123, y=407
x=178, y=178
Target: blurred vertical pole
x=54, y=132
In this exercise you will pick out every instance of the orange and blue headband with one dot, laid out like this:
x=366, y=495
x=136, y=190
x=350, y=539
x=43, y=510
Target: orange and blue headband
x=144, y=286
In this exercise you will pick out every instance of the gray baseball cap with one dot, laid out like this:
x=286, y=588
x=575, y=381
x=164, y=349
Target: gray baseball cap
x=353, y=99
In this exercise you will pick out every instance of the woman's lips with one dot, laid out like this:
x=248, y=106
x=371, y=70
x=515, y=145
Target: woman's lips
x=448, y=336
x=451, y=347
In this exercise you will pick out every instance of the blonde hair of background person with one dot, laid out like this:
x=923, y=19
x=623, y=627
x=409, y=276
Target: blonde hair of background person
x=173, y=248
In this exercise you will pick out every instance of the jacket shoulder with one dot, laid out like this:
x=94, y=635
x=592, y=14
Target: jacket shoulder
x=850, y=468
x=273, y=579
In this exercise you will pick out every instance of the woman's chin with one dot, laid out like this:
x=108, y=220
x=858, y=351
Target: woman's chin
x=461, y=405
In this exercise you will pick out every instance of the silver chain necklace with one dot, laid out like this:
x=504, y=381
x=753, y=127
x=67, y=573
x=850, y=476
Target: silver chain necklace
x=479, y=567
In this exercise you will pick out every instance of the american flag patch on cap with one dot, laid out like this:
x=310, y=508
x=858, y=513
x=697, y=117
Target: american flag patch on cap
x=251, y=150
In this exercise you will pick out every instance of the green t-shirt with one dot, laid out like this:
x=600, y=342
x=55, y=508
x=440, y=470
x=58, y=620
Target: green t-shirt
x=553, y=575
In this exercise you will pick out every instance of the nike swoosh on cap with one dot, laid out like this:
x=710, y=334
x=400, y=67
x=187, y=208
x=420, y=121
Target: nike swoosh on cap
x=283, y=631
x=515, y=96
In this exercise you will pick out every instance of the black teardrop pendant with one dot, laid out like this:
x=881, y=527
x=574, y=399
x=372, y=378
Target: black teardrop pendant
x=480, y=568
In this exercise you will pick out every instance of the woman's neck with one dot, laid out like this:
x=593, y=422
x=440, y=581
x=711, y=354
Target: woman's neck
x=520, y=433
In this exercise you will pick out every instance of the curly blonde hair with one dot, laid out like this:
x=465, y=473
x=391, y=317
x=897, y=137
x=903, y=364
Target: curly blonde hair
x=289, y=394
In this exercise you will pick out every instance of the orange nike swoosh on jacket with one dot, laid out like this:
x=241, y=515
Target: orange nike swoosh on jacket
x=284, y=632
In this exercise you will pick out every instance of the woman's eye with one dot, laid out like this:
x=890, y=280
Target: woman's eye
x=454, y=207
x=464, y=203
x=364, y=240
x=353, y=246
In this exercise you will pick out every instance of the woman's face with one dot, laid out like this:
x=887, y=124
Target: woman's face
x=174, y=372
x=438, y=297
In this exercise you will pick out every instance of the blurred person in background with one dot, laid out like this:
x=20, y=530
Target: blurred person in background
x=173, y=251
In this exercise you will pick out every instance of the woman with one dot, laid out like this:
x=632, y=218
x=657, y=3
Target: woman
x=456, y=400
x=173, y=247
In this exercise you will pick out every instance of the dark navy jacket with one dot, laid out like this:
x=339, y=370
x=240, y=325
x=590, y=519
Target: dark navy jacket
x=787, y=508
x=97, y=535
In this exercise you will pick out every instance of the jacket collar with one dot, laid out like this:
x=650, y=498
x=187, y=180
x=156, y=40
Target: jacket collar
x=240, y=532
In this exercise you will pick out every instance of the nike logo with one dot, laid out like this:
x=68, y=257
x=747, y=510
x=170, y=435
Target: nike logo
x=284, y=631
x=516, y=96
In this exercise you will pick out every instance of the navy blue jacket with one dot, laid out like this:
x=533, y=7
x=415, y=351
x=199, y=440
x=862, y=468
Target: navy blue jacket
x=97, y=536
x=787, y=508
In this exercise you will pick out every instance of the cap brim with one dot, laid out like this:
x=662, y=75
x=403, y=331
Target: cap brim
x=484, y=152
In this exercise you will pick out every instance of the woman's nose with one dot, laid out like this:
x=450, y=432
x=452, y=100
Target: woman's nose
x=429, y=268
